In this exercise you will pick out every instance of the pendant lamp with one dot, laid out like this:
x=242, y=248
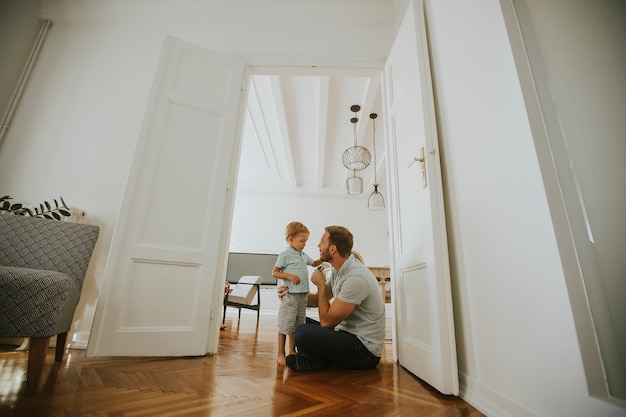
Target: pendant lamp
x=356, y=158
x=376, y=200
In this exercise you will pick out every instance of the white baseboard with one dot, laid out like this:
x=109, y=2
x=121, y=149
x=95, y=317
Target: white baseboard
x=490, y=401
x=79, y=341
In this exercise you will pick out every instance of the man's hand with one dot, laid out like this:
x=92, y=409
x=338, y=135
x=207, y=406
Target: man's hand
x=282, y=290
x=318, y=278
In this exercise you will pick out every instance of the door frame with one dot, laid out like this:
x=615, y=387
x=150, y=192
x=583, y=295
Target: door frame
x=298, y=66
x=303, y=66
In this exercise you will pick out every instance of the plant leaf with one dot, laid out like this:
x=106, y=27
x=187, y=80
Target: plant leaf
x=47, y=216
x=56, y=215
x=47, y=205
x=16, y=206
x=65, y=212
x=56, y=203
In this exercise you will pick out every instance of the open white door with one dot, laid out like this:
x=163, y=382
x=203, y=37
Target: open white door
x=164, y=276
x=420, y=272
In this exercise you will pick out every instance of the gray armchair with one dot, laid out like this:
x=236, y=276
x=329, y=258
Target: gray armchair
x=42, y=267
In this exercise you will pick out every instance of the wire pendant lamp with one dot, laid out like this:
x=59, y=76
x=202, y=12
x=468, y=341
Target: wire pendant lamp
x=356, y=158
x=376, y=200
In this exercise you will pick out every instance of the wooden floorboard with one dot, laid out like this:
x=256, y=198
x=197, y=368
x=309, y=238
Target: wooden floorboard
x=241, y=380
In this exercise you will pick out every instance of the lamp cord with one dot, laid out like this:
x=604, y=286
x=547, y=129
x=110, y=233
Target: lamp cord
x=354, y=121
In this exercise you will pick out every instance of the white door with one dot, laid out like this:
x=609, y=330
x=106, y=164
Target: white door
x=420, y=272
x=163, y=283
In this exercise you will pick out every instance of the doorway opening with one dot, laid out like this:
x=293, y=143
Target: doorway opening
x=295, y=128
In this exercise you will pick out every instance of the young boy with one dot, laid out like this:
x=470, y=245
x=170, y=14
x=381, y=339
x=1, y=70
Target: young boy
x=291, y=267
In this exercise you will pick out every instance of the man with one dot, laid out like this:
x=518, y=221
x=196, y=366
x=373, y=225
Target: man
x=351, y=330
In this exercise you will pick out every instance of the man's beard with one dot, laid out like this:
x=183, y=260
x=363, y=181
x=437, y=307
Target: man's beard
x=324, y=256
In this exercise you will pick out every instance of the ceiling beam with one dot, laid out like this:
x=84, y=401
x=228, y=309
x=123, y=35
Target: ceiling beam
x=283, y=126
x=322, y=131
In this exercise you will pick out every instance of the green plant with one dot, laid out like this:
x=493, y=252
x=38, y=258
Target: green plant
x=45, y=209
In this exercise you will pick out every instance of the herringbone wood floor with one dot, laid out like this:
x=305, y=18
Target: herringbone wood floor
x=242, y=380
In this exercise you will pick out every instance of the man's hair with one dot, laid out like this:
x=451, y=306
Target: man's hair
x=295, y=228
x=341, y=238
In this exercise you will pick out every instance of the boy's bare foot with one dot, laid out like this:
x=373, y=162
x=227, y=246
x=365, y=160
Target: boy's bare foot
x=223, y=326
x=280, y=360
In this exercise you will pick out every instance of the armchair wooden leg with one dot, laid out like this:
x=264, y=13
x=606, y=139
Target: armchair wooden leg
x=38, y=347
x=60, y=349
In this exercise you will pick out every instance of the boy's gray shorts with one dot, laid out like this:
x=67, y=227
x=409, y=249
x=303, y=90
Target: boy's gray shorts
x=292, y=313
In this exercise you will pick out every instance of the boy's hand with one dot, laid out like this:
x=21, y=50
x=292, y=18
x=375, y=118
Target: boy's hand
x=295, y=279
x=282, y=290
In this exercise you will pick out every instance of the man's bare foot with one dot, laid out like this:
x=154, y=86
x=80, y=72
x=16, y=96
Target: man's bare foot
x=280, y=360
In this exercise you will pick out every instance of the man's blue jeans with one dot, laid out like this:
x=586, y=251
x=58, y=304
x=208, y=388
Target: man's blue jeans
x=333, y=347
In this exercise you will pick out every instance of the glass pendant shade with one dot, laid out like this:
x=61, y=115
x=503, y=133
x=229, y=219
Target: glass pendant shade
x=376, y=200
x=354, y=185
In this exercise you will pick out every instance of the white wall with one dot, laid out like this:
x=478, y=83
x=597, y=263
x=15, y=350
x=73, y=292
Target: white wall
x=22, y=27
x=575, y=99
x=259, y=224
x=517, y=346
x=75, y=133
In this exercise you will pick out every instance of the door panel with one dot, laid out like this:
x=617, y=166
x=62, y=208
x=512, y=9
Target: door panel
x=422, y=293
x=164, y=276
x=175, y=165
x=416, y=301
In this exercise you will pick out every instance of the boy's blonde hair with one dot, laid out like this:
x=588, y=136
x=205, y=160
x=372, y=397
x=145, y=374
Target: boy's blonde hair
x=295, y=228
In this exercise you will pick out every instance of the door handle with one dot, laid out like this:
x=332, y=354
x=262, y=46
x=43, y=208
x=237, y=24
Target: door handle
x=422, y=162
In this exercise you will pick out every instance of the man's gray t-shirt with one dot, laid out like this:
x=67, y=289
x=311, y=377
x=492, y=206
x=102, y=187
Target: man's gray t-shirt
x=355, y=284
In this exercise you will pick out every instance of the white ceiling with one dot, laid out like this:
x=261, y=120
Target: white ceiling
x=298, y=125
